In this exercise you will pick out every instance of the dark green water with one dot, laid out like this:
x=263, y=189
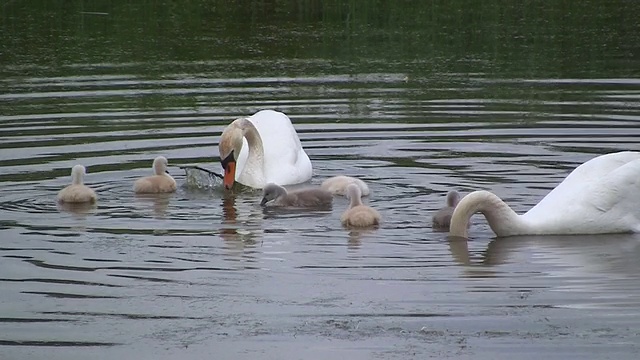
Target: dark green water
x=414, y=97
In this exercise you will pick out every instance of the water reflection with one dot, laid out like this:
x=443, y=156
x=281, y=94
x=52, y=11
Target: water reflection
x=159, y=203
x=239, y=232
x=229, y=211
x=599, y=254
x=356, y=237
x=78, y=209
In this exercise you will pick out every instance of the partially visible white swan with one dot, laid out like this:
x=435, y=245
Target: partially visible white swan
x=359, y=215
x=160, y=182
x=337, y=185
x=600, y=196
x=261, y=149
x=77, y=192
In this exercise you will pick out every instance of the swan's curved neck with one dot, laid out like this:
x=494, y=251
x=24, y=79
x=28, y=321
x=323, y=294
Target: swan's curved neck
x=255, y=158
x=501, y=218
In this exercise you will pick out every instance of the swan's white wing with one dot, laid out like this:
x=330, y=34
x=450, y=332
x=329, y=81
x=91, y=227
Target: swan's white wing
x=593, y=198
x=618, y=196
x=570, y=193
x=286, y=162
x=596, y=168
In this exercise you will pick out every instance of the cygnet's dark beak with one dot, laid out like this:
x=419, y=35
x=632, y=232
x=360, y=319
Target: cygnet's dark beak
x=167, y=171
x=264, y=201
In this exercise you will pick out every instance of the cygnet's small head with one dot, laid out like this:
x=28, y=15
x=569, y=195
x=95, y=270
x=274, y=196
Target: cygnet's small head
x=453, y=198
x=229, y=148
x=272, y=192
x=77, y=173
x=160, y=165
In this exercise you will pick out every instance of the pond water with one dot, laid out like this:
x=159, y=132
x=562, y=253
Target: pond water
x=508, y=100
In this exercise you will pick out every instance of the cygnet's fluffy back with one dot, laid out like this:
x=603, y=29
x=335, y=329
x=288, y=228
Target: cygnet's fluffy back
x=77, y=192
x=442, y=218
x=359, y=215
x=161, y=182
x=275, y=195
x=337, y=185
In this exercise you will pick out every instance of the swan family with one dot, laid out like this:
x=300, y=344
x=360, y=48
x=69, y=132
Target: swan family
x=263, y=151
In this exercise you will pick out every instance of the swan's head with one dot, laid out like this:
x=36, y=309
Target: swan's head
x=77, y=172
x=271, y=192
x=453, y=198
x=160, y=165
x=229, y=148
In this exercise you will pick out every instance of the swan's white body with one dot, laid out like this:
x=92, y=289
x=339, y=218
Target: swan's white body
x=600, y=196
x=281, y=160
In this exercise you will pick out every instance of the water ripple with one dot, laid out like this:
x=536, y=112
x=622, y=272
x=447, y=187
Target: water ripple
x=204, y=263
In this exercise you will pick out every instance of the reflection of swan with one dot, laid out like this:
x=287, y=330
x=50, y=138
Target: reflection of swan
x=238, y=232
x=358, y=214
x=442, y=218
x=599, y=196
x=598, y=252
x=276, y=195
x=77, y=192
x=261, y=149
x=600, y=259
x=338, y=185
x=161, y=182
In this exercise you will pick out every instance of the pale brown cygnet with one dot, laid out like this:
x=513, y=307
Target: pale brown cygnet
x=358, y=214
x=442, y=218
x=77, y=192
x=276, y=195
x=161, y=182
x=337, y=185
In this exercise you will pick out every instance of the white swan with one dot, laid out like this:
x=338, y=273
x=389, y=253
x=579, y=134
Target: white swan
x=600, y=196
x=263, y=148
x=77, y=192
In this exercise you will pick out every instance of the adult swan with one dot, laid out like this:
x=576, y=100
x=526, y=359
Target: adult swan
x=599, y=196
x=261, y=149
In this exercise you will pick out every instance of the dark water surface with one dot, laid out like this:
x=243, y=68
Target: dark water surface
x=415, y=100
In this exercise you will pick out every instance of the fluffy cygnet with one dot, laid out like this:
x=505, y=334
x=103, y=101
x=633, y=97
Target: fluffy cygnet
x=161, y=182
x=276, y=195
x=358, y=214
x=337, y=185
x=442, y=218
x=77, y=192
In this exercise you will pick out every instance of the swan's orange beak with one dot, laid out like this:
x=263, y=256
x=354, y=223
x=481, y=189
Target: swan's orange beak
x=229, y=174
x=229, y=166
